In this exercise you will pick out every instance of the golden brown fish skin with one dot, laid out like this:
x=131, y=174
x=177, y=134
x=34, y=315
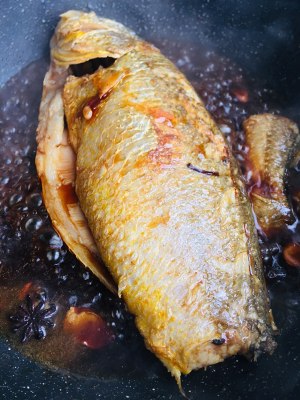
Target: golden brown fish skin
x=55, y=163
x=272, y=141
x=83, y=36
x=181, y=245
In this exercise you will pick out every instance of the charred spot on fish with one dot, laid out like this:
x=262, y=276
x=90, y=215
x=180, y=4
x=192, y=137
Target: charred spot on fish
x=202, y=171
x=91, y=66
x=218, y=342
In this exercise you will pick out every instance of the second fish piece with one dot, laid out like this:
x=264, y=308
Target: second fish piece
x=272, y=141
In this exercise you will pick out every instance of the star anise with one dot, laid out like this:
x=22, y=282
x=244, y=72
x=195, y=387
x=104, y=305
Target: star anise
x=32, y=319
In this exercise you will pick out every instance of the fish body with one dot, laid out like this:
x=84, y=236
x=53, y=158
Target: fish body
x=272, y=142
x=163, y=199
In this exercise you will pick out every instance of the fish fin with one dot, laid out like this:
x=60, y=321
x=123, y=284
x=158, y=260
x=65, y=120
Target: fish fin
x=55, y=162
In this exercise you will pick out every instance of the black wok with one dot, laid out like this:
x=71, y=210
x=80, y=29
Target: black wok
x=263, y=38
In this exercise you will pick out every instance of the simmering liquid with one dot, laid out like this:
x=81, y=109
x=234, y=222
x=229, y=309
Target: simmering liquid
x=34, y=261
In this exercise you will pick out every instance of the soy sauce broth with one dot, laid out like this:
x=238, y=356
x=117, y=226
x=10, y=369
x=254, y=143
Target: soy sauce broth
x=34, y=260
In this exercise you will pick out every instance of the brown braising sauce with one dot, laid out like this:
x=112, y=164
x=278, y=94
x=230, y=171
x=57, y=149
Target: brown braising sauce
x=67, y=193
x=93, y=334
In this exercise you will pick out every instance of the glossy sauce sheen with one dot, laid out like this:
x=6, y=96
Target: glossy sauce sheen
x=33, y=258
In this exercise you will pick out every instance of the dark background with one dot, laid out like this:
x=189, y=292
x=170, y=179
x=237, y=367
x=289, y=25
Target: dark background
x=261, y=36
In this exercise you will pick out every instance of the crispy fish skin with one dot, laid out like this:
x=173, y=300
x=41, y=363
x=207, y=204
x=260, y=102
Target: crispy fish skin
x=55, y=163
x=272, y=141
x=164, y=201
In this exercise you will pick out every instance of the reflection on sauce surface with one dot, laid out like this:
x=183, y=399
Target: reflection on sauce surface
x=33, y=259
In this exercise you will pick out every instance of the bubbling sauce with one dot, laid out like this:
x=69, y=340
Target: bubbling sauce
x=34, y=261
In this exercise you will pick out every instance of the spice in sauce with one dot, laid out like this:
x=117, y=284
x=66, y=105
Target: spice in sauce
x=32, y=319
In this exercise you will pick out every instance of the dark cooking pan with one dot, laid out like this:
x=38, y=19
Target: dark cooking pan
x=262, y=38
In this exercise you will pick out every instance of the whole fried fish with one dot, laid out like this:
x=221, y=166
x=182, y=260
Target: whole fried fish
x=161, y=193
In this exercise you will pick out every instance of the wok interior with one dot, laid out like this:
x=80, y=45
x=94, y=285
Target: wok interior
x=261, y=39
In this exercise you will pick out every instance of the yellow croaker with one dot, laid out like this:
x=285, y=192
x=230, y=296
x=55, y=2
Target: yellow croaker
x=160, y=196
